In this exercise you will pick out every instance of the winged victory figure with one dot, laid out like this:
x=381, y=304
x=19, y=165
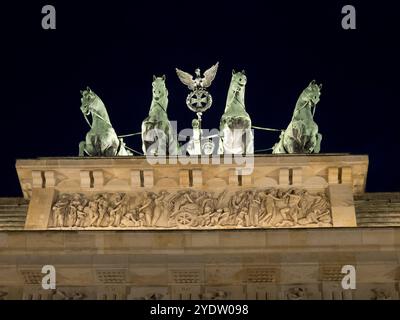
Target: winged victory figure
x=198, y=82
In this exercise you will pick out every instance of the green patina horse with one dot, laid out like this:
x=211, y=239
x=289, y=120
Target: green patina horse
x=158, y=136
x=101, y=140
x=235, y=124
x=301, y=135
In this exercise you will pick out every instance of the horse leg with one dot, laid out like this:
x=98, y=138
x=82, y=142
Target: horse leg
x=112, y=149
x=158, y=143
x=144, y=137
x=278, y=147
x=162, y=143
x=109, y=152
x=149, y=138
x=82, y=146
x=294, y=138
x=220, y=145
x=292, y=145
x=317, y=147
x=173, y=146
x=248, y=142
x=94, y=145
x=227, y=140
x=86, y=148
x=233, y=137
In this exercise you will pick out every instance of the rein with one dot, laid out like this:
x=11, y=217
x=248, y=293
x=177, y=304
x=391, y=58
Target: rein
x=314, y=106
x=98, y=116
x=160, y=105
x=87, y=120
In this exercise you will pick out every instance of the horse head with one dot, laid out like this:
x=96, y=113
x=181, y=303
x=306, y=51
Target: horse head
x=87, y=101
x=238, y=81
x=160, y=92
x=92, y=105
x=312, y=93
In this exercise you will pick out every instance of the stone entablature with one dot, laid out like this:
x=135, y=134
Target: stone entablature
x=131, y=173
x=336, y=176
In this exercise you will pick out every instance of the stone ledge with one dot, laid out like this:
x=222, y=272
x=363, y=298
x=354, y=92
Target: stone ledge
x=210, y=242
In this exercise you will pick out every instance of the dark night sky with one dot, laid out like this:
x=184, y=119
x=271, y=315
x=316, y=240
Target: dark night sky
x=116, y=46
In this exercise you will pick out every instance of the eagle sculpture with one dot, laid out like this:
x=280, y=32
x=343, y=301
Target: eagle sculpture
x=198, y=82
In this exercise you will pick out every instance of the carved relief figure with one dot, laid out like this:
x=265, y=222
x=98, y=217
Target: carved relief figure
x=81, y=216
x=158, y=207
x=72, y=215
x=147, y=208
x=254, y=210
x=118, y=210
x=93, y=213
x=103, y=208
x=58, y=215
x=267, y=204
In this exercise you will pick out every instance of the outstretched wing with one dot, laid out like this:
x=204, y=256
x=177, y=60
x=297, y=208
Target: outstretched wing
x=209, y=75
x=186, y=78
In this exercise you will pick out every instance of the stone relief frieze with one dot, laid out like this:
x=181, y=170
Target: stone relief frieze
x=192, y=209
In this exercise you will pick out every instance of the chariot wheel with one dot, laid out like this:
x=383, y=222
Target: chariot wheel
x=184, y=219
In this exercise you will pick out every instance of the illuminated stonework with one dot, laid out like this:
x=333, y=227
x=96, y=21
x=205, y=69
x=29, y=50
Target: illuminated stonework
x=126, y=229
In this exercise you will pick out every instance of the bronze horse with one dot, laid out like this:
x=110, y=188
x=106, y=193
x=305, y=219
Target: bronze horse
x=158, y=137
x=101, y=140
x=301, y=135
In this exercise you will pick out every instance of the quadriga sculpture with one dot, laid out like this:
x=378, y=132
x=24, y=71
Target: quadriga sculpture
x=101, y=140
x=158, y=137
x=235, y=124
x=301, y=135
